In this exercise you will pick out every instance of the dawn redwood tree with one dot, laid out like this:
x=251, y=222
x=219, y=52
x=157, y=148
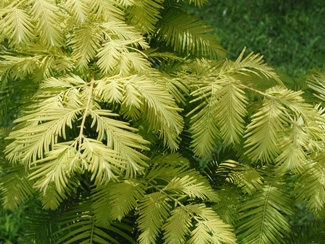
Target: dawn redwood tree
x=133, y=126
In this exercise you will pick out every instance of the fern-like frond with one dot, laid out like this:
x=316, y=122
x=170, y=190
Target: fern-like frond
x=177, y=226
x=104, y=163
x=126, y=3
x=56, y=167
x=282, y=108
x=83, y=230
x=46, y=14
x=204, y=127
x=231, y=109
x=295, y=102
x=251, y=64
x=244, y=176
x=293, y=154
x=263, y=131
x=42, y=64
x=53, y=87
x=310, y=187
x=201, y=234
x=85, y=44
x=316, y=81
x=120, y=30
x=134, y=61
x=78, y=9
x=17, y=67
x=104, y=11
x=193, y=185
x=187, y=34
x=227, y=207
x=209, y=228
x=121, y=197
x=145, y=14
x=161, y=111
x=56, y=108
x=102, y=197
x=115, y=58
x=18, y=26
x=110, y=90
x=123, y=201
x=178, y=87
x=315, y=128
x=38, y=225
x=51, y=198
x=121, y=138
x=153, y=210
x=132, y=97
x=81, y=227
x=15, y=187
x=156, y=56
x=53, y=64
x=262, y=217
x=159, y=108
x=219, y=91
x=40, y=133
x=166, y=167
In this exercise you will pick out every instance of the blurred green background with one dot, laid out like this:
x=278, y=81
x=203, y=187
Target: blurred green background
x=290, y=34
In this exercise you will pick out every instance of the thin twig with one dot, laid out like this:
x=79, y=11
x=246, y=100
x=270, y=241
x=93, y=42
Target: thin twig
x=86, y=109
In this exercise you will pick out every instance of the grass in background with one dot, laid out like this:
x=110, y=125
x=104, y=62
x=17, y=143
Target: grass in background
x=11, y=226
x=290, y=34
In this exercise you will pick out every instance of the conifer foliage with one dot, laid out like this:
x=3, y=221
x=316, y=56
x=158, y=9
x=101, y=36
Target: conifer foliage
x=118, y=101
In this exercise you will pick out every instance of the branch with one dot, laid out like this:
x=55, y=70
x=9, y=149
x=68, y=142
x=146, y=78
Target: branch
x=256, y=91
x=86, y=109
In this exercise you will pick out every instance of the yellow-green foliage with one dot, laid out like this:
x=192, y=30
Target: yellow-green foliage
x=101, y=145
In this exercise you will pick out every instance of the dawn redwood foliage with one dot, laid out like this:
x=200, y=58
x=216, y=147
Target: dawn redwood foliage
x=134, y=127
